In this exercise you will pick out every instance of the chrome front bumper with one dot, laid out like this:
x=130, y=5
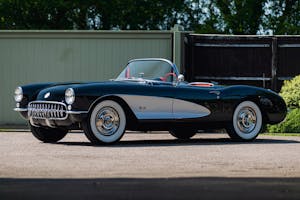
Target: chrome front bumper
x=49, y=113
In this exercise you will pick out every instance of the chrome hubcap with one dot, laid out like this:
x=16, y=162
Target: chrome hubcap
x=246, y=120
x=107, y=121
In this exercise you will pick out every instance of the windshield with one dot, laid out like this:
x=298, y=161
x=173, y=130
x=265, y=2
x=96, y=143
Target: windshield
x=158, y=70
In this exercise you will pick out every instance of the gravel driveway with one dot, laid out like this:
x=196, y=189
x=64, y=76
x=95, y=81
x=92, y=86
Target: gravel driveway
x=143, y=160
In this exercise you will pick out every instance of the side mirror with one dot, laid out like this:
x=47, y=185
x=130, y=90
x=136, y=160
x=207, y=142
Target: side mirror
x=180, y=78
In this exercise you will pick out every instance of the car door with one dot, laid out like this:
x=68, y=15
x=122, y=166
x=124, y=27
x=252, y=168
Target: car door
x=150, y=101
x=195, y=102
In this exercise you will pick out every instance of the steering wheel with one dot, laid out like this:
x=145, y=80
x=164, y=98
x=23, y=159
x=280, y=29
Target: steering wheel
x=165, y=78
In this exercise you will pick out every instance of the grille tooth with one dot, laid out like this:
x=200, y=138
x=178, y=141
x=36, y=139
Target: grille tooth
x=51, y=108
x=55, y=113
x=47, y=110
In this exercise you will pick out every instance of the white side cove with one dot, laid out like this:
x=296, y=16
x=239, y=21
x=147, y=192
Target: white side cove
x=185, y=109
x=150, y=107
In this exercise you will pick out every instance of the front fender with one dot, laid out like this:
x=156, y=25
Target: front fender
x=273, y=107
x=31, y=91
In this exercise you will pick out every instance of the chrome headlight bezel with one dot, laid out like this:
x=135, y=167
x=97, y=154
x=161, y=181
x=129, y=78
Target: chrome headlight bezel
x=69, y=96
x=18, y=94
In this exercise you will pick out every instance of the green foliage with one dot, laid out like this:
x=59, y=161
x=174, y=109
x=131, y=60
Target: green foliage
x=251, y=17
x=202, y=16
x=291, y=124
x=241, y=16
x=290, y=92
x=284, y=18
x=90, y=14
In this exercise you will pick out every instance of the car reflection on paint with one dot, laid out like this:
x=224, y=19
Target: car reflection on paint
x=149, y=94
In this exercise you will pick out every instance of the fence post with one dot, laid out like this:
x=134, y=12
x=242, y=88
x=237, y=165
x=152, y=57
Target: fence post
x=177, y=30
x=274, y=63
x=190, y=58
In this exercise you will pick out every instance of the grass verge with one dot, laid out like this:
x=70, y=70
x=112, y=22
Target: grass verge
x=282, y=134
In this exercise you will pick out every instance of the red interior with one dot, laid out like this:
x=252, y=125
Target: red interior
x=201, y=84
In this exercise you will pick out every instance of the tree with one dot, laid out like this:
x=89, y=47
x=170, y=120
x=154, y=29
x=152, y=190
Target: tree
x=36, y=14
x=230, y=16
x=202, y=16
x=245, y=16
x=241, y=16
x=283, y=17
x=89, y=14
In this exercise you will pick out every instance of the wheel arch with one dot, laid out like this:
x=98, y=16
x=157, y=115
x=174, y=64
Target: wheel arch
x=250, y=93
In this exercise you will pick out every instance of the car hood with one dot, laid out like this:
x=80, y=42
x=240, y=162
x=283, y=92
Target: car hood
x=56, y=91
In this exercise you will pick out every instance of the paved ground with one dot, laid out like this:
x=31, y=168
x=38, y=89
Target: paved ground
x=149, y=166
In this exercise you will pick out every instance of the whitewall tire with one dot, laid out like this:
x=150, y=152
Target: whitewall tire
x=106, y=123
x=247, y=122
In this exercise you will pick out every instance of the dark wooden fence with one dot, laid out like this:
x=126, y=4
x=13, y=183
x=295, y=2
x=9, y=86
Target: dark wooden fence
x=264, y=61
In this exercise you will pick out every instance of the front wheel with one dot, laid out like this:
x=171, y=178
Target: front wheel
x=48, y=135
x=247, y=122
x=106, y=123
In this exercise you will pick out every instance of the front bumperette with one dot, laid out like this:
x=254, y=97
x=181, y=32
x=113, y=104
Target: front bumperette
x=51, y=114
x=71, y=122
x=22, y=111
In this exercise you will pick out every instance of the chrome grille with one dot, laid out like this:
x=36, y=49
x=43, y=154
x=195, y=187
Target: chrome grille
x=47, y=110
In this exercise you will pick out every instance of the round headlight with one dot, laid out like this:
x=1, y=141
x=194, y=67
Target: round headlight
x=69, y=96
x=18, y=94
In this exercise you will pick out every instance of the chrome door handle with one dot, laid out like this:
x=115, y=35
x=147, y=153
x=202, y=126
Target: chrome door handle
x=215, y=92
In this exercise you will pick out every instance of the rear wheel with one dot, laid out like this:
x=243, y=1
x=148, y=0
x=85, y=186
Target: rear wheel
x=183, y=134
x=247, y=122
x=48, y=135
x=106, y=123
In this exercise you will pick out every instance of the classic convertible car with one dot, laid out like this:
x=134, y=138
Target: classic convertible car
x=148, y=95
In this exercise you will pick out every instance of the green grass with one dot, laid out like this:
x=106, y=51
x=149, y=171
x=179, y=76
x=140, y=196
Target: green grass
x=282, y=134
x=291, y=124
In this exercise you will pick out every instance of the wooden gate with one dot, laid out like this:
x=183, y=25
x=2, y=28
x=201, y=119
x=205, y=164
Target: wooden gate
x=263, y=61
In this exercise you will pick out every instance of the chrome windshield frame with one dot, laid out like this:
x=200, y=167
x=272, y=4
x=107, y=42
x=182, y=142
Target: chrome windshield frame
x=172, y=65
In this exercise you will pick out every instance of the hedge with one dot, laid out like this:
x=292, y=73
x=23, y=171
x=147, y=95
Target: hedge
x=290, y=92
